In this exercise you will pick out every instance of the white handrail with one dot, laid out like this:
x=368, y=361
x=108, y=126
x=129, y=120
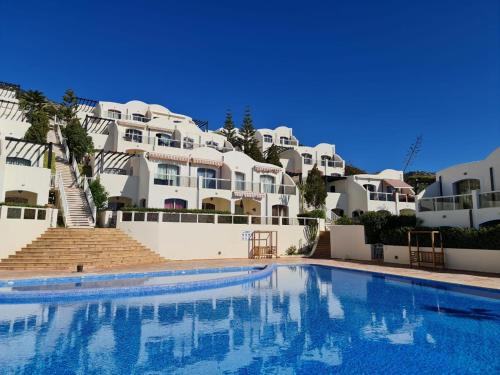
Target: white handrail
x=62, y=195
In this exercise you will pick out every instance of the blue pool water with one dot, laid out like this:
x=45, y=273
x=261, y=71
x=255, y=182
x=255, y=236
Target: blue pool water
x=298, y=319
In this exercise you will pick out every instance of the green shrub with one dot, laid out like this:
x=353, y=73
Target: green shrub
x=318, y=214
x=177, y=210
x=374, y=223
x=459, y=238
x=292, y=250
x=99, y=194
x=344, y=220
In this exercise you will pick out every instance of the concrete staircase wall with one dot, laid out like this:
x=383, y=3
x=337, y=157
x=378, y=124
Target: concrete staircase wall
x=94, y=248
x=323, y=249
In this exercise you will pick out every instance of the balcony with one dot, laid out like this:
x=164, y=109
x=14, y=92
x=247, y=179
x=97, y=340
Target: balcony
x=288, y=142
x=222, y=184
x=385, y=197
x=488, y=200
x=119, y=116
x=332, y=163
x=446, y=203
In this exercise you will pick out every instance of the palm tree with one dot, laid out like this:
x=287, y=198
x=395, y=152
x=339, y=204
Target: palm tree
x=32, y=101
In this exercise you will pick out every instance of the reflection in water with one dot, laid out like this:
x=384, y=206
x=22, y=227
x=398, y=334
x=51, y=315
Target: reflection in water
x=301, y=319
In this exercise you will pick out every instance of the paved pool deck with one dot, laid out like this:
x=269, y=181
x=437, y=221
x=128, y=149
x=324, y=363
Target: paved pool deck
x=457, y=277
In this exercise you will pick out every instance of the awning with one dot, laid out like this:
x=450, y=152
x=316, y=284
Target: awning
x=262, y=169
x=398, y=184
x=214, y=163
x=160, y=156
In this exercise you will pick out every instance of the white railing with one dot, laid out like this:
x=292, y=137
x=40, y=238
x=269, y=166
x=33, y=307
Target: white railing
x=209, y=218
x=159, y=143
x=446, y=203
x=380, y=196
x=332, y=163
x=490, y=199
x=81, y=182
x=62, y=197
x=222, y=184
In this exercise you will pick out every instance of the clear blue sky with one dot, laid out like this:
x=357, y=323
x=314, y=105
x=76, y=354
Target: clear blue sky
x=367, y=75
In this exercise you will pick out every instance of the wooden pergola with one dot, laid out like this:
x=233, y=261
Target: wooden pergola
x=425, y=257
x=264, y=244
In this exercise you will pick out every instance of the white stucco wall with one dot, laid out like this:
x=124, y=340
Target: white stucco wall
x=17, y=233
x=478, y=260
x=348, y=242
x=205, y=241
x=32, y=179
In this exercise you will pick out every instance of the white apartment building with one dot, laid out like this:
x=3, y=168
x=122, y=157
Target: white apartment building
x=25, y=174
x=152, y=157
x=354, y=195
x=464, y=195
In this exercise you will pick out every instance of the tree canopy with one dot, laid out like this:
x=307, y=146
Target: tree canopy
x=37, y=109
x=315, y=188
x=247, y=132
x=351, y=170
x=273, y=156
x=229, y=130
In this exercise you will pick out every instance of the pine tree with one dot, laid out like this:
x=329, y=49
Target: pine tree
x=255, y=153
x=315, y=189
x=273, y=156
x=229, y=130
x=39, y=128
x=247, y=133
x=68, y=108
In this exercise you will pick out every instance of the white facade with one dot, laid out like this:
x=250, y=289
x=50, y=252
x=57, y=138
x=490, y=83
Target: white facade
x=169, y=162
x=465, y=195
x=23, y=177
x=354, y=195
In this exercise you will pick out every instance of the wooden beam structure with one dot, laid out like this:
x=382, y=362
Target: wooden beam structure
x=421, y=257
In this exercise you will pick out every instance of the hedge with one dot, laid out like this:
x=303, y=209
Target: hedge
x=178, y=210
x=317, y=214
x=459, y=238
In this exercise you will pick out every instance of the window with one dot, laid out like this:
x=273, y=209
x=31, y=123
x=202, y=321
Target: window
x=284, y=141
x=175, y=204
x=133, y=135
x=139, y=117
x=164, y=139
x=267, y=184
x=113, y=113
x=18, y=161
x=212, y=144
x=466, y=186
x=239, y=181
x=369, y=187
x=168, y=174
x=188, y=143
x=307, y=158
x=268, y=138
x=325, y=160
x=207, y=175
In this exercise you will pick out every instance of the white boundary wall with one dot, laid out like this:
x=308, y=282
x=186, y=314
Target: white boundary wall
x=182, y=241
x=16, y=233
x=479, y=260
x=348, y=242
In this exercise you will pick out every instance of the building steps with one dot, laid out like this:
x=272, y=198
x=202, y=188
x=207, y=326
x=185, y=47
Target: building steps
x=323, y=249
x=94, y=248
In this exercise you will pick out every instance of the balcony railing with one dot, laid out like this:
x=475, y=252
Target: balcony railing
x=288, y=142
x=406, y=198
x=175, y=180
x=127, y=117
x=386, y=197
x=208, y=218
x=222, y=184
x=491, y=199
x=174, y=143
x=447, y=203
x=332, y=163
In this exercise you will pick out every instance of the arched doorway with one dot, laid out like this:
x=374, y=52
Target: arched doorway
x=216, y=204
x=21, y=197
x=116, y=203
x=279, y=210
x=466, y=186
x=247, y=206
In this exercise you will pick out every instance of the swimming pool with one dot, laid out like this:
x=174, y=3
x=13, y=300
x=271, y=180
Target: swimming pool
x=297, y=319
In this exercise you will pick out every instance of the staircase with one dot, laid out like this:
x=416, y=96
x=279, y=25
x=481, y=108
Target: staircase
x=64, y=248
x=79, y=213
x=323, y=249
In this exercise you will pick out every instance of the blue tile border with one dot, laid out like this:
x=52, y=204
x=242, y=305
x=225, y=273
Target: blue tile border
x=128, y=291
